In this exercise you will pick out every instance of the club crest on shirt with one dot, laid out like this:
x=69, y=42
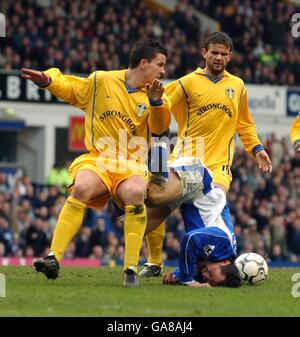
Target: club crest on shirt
x=230, y=93
x=140, y=109
x=208, y=249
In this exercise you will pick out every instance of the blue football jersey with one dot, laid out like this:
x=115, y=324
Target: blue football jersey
x=215, y=242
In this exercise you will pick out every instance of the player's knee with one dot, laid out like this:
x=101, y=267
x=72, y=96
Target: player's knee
x=134, y=194
x=82, y=191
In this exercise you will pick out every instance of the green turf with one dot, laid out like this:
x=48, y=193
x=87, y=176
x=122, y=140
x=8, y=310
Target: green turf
x=98, y=292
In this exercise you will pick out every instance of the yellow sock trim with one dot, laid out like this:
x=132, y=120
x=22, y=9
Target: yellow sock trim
x=134, y=229
x=68, y=224
x=155, y=240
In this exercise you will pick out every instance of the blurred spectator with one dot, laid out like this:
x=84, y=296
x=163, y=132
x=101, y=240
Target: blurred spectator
x=254, y=237
x=276, y=253
x=99, y=235
x=29, y=252
x=109, y=257
x=59, y=176
x=278, y=234
x=172, y=246
x=4, y=187
x=97, y=253
x=70, y=252
x=293, y=237
x=2, y=249
x=36, y=237
x=83, y=248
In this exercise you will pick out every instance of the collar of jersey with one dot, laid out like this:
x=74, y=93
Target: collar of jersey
x=129, y=89
x=201, y=71
x=120, y=74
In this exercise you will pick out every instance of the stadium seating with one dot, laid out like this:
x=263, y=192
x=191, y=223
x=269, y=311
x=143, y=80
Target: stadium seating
x=84, y=36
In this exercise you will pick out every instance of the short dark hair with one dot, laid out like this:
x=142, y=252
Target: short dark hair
x=145, y=49
x=218, y=37
x=232, y=276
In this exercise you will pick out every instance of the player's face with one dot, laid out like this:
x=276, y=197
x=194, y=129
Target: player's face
x=211, y=272
x=216, y=57
x=155, y=68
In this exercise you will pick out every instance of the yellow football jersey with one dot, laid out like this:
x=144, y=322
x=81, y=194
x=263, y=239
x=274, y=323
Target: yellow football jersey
x=208, y=115
x=117, y=117
x=295, y=130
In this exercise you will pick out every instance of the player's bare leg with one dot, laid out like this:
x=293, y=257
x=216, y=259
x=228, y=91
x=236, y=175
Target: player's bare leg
x=155, y=232
x=164, y=196
x=87, y=187
x=132, y=192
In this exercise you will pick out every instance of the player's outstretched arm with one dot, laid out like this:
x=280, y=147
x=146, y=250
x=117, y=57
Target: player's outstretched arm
x=196, y=284
x=74, y=90
x=38, y=77
x=171, y=279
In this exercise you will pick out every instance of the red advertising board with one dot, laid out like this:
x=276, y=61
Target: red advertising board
x=76, y=134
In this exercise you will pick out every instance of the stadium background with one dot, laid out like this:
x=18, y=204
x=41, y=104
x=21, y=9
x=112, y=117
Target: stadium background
x=37, y=132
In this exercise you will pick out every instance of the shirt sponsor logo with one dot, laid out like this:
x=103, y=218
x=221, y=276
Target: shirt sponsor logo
x=214, y=106
x=230, y=93
x=140, y=109
x=127, y=120
x=208, y=249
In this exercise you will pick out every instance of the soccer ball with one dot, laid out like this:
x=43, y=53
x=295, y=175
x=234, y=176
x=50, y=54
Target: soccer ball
x=253, y=268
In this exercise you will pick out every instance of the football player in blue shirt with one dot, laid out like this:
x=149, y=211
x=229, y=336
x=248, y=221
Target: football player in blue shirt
x=207, y=253
x=208, y=248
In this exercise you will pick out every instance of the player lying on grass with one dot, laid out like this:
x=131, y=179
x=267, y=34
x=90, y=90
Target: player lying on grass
x=209, y=241
x=207, y=253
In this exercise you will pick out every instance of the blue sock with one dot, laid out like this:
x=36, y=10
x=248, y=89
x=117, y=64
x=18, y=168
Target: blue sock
x=159, y=162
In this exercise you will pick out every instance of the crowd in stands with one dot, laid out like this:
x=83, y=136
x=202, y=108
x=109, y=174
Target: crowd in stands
x=86, y=35
x=265, y=209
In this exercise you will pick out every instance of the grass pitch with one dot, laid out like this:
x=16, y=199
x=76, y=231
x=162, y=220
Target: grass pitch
x=98, y=292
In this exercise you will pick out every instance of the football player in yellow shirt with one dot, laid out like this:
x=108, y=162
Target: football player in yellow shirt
x=210, y=106
x=295, y=133
x=121, y=108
